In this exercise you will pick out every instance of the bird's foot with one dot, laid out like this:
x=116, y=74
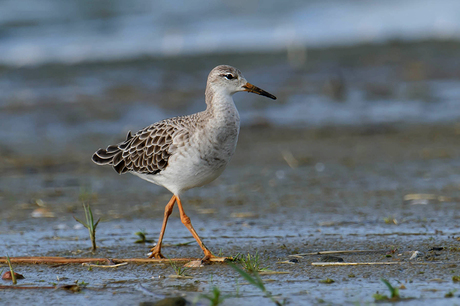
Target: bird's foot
x=207, y=257
x=155, y=253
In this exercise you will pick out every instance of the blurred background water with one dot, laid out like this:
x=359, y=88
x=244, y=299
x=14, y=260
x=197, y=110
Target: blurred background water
x=73, y=68
x=50, y=31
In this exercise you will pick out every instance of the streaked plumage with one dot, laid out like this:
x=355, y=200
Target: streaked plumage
x=188, y=151
x=148, y=151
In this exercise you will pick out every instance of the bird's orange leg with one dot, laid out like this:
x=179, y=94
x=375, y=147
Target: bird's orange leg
x=156, y=250
x=188, y=224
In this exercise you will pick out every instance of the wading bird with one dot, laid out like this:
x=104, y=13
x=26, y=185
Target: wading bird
x=188, y=151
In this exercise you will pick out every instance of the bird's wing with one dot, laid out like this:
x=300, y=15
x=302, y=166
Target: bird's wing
x=147, y=151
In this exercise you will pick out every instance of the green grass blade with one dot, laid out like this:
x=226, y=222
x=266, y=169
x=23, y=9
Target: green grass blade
x=90, y=216
x=13, y=277
x=256, y=282
x=81, y=222
x=97, y=222
x=394, y=291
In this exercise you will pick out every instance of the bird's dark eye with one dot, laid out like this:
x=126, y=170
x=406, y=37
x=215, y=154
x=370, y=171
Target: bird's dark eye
x=229, y=76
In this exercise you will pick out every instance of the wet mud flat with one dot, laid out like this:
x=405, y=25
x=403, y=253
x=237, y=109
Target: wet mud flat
x=389, y=190
x=360, y=152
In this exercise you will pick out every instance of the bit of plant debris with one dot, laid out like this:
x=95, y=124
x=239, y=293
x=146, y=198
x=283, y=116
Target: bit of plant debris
x=415, y=254
x=323, y=264
x=105, y=266
x=142, y=237
x=394, y=293
x=7, y=276
x=450, y=294
x=338, y=252
x=327, y=281
x=72, y=287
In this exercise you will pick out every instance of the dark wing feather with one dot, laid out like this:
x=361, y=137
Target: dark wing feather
x=147, y=152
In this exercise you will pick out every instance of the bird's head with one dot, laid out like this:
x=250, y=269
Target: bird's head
x=231, y=80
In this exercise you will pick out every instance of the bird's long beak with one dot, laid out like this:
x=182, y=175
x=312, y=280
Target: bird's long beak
x=251, y=88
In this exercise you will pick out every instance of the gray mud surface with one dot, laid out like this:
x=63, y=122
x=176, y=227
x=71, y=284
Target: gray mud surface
x=347, y=192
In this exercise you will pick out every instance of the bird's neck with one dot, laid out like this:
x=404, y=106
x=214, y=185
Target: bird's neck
x=220, y=105
x=222, y=120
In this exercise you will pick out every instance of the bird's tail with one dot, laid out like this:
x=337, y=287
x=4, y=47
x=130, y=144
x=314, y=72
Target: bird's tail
x=111, y=156
x=106, y=157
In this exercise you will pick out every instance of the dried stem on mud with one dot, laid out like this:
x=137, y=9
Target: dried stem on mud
x=64, y=260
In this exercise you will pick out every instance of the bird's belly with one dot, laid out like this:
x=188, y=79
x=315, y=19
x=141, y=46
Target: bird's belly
x=192, y=167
